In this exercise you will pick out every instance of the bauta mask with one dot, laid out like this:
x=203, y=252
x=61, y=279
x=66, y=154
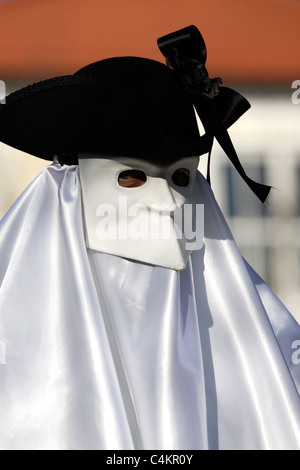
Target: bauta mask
x=141, y=211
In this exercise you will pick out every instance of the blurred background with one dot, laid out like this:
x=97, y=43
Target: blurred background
x=252, y=44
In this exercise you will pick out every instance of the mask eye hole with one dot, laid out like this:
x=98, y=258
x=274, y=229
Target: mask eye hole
x=181, y=177
x=132, y=178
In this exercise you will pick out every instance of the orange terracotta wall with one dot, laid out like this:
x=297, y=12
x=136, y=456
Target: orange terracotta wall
x=254, y=41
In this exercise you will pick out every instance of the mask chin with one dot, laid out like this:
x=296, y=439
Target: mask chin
x=139, y=210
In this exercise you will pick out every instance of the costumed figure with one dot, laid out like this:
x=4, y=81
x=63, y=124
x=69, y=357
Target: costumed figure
x=129, y=318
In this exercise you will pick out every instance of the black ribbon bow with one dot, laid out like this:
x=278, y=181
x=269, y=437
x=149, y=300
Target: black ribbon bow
x=185, y=53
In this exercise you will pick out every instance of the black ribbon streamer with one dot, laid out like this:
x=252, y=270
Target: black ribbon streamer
x=185, y=53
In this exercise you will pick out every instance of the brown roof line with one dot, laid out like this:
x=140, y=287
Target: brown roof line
x=253, y=40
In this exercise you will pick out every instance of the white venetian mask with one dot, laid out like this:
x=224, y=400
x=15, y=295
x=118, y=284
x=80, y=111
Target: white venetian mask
x=141, y=211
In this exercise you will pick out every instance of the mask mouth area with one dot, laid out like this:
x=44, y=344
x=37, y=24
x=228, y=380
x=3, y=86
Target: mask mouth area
x=162, y=208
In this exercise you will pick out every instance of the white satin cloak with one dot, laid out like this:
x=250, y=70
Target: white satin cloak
x=105, y=353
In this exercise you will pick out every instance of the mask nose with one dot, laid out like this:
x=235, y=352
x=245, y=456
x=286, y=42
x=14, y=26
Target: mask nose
x=160, y=193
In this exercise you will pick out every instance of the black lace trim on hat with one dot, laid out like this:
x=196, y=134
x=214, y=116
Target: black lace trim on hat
x=98, y=82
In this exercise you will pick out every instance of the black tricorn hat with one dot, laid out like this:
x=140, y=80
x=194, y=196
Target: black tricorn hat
x=128, y=106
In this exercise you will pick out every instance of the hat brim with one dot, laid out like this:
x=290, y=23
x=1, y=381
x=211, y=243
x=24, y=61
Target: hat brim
x=79, y=113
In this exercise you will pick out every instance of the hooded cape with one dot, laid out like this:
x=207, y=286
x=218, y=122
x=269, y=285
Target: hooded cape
x=99, y=352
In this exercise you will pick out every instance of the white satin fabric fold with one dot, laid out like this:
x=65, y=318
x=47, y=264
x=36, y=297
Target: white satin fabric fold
x=105, y=353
